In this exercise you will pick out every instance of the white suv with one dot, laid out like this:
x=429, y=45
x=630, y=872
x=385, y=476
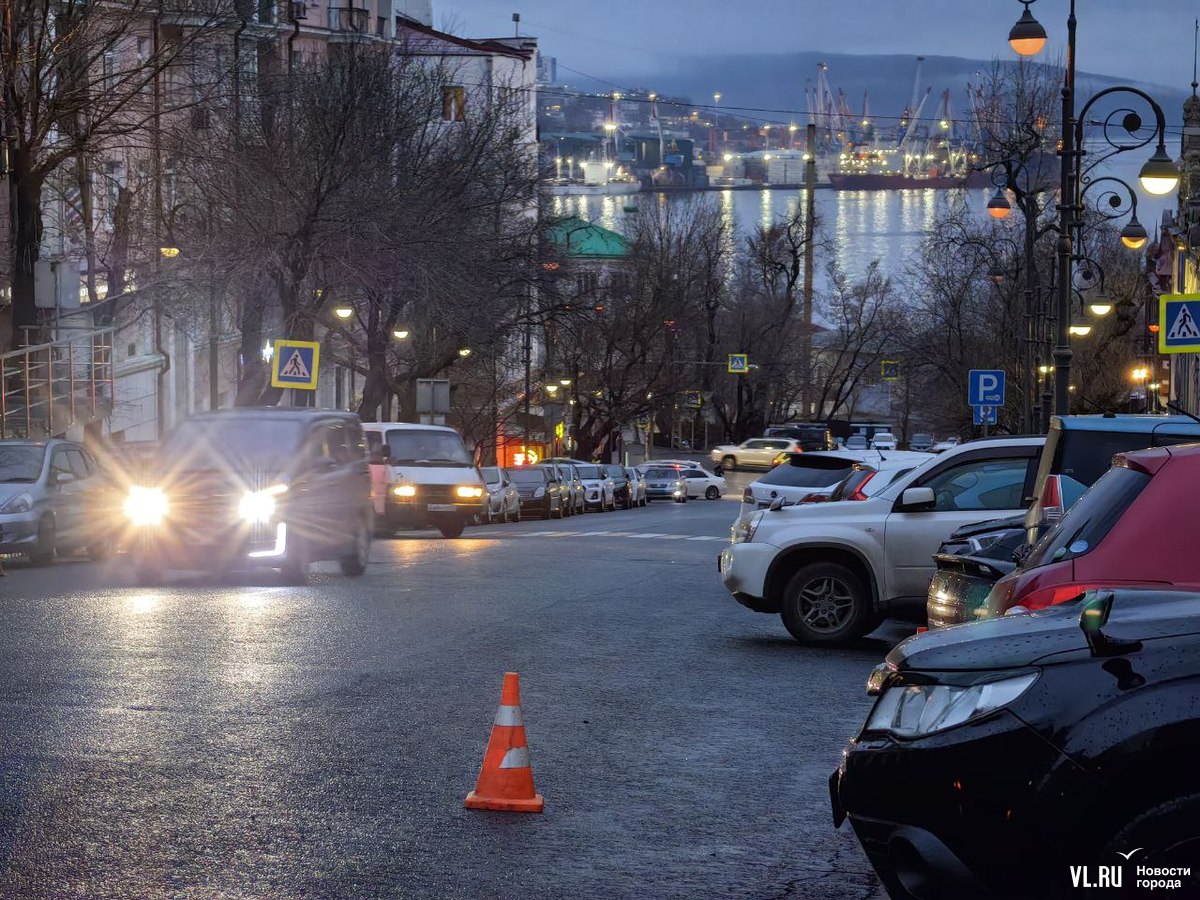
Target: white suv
x=833, y=571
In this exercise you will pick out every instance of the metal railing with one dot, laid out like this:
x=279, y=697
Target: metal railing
x=47, y=388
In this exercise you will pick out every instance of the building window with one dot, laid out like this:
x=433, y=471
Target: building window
x=454, y=103
x=585, y=283
x=380, y=26
x=109, y=64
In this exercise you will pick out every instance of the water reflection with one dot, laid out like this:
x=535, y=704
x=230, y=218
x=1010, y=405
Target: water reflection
x=863, y=226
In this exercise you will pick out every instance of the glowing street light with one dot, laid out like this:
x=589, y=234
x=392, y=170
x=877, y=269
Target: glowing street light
x=343, y=312
x=464, y=352
x=1027, y=37
x=999, y=207
x=400, y=333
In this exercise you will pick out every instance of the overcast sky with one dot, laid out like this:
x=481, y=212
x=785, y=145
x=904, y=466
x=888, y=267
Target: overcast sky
x=1146, y=40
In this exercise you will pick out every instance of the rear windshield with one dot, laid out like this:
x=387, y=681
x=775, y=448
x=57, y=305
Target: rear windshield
x=672, y=474
x=807, y=475
x=528, y=476
x=1086, y=455
x=1088, y=521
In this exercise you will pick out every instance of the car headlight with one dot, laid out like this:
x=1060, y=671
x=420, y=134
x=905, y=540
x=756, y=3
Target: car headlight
x=21, y=503
x=145, y=506
x=540, y=492
x=258, y=507
x=744, y=529
x=404, y=490
x=916, y=710
x=469, y=492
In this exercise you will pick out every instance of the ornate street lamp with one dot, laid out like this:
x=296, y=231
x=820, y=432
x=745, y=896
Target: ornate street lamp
x=1158, y=176
x=999, y=207
x=1027, y=37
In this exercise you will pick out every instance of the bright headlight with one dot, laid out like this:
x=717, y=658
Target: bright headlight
x=21, y=503
x=258, y=507
x=404, y=490
x=915, y=710
x=469, y=492
x=145, y=506
x=540, y=492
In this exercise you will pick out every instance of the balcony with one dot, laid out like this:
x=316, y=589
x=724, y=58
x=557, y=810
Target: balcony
x=351, y=19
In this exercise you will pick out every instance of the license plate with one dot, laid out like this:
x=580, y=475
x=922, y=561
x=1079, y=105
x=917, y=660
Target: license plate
x=441, y=507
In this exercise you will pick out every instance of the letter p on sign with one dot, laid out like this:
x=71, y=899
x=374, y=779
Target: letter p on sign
x=985, y=387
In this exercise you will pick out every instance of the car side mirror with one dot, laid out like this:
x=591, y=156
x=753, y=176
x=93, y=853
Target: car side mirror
x=918, y=499
x=61, y=478
x=1092, y=619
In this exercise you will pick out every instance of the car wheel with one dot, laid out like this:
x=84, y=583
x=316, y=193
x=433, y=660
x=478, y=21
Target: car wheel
x=729, y=463
x=712, y=493
x=452, y=528
x=1170, y=834
x=355, y=563
x=296, y=566
x=42, y=553
x=826, y=603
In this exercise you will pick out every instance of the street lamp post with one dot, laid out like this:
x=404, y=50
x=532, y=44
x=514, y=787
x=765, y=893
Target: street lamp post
x=1158, y=176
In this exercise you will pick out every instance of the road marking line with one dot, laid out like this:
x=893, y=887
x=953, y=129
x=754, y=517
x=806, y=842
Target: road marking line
x=647, y=535
x=593, y=533
x=705, y=537
x=672, y=537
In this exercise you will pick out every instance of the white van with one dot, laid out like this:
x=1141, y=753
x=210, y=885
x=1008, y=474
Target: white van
x=426, y=477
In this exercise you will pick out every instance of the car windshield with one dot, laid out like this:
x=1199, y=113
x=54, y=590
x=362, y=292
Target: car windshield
x=922, y=439
x=857, y=442
x=588, y=473
x=266, y=443
x=21, y=463
x=802, y=473
x=1089, y=520
x=490, y=474
x=528, y=476
x=426, y=448
x=661, y=473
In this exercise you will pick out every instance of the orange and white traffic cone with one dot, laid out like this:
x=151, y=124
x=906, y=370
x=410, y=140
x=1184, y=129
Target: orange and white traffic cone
x=506, y=779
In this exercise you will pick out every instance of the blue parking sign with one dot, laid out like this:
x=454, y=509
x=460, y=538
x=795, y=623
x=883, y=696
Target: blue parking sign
x=984, y=415
x=985, y=387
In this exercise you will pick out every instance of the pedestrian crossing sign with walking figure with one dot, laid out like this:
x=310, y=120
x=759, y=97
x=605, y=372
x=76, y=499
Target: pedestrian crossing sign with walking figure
x=294, y=365
x=739, y=364
x=1179, y=323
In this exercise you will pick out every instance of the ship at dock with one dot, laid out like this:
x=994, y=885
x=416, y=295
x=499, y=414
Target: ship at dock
x=917, y=154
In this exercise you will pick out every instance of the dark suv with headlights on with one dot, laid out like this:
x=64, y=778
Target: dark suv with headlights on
x=1034, y=755
x=255, y=488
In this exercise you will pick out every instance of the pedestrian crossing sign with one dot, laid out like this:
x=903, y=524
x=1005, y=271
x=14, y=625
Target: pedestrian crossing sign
x=294, y=365
x=739, y=363
x=1179, y=323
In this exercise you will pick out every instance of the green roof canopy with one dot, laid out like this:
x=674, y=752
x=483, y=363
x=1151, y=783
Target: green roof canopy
x=583, y=239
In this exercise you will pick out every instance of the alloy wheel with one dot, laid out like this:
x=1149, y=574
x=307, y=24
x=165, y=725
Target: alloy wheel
x=826, y=603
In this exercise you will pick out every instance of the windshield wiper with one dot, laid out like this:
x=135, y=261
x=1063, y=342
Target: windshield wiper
x=428, y=462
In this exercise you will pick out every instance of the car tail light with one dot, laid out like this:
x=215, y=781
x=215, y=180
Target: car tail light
x=1054, y=595
x=747, y=496
x=1052, y=502
x=857, y=493
x=814, y=498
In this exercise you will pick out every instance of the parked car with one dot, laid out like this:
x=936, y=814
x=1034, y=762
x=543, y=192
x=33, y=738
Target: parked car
x=578, y=492
x=833, y=571
x=1029, y=755
x=968, y=563
x=948, y=444
x=921, y=441
x=1081, y=448
x=637, y=481
x=504, y=502
x=600, y=488
x=55, y=499
x=541, y=491
x=1117, y=534
x=431, y=479
x=756, y=453
x=811, y=435
x=857, y=442
x=884, y=440
x=702, y=483
x=666, y=482
x=798, y=477
x=813, y=477
x=254, y=488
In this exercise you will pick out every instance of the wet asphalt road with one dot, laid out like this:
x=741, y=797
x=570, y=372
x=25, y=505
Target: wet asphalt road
x=241, y=739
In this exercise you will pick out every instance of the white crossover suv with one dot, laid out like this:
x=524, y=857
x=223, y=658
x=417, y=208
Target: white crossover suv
x=834, y=571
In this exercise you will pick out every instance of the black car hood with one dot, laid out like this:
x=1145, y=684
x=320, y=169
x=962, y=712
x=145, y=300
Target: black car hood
x=1024, y=640
x=976, y=528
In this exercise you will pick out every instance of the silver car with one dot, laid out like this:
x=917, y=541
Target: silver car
x=54, y=498
x=504, y=502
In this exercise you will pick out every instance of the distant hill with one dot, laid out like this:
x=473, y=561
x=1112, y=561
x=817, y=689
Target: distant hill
x=776, y=81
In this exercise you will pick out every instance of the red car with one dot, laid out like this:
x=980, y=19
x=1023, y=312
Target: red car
x=1132, y=527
